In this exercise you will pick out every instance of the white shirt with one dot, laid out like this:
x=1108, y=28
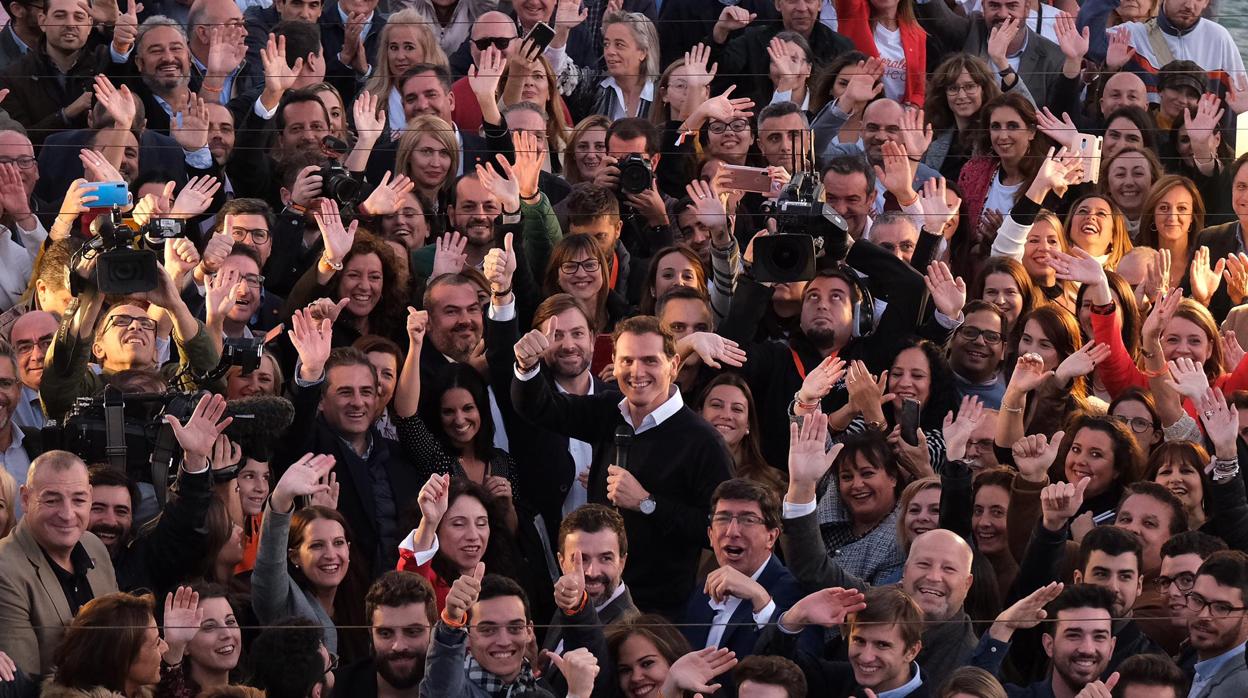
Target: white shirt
x=17, y=260
x=1001, y=197
x=582, y=457
x=658, y=416
x=395, y=116
x=888, y=43
x=647, y=95
x=724, y=610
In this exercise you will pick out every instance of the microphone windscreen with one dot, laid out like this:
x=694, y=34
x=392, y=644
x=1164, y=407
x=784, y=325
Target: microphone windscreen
x=259, y=421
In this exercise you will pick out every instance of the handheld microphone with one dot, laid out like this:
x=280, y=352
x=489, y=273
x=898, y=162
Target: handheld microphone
x=623, y=442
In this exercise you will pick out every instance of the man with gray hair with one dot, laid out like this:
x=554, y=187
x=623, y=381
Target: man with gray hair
x=163, y=60
x=50, y=566
x=235, y=81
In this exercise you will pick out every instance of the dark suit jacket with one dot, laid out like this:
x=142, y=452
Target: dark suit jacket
x=741, y=634
x=333, y=36
x=33, y=608
x=10, y=52
x=36, y=97
x=1221, y=240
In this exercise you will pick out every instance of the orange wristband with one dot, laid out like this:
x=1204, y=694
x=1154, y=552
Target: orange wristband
x=452, y=623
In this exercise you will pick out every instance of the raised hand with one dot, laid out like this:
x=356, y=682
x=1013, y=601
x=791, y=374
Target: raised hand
x=388, y=197
x=226, y=49
x=1028, y=374
x=731, y=18
x=1060, y=169
x=916, y=133
x=570, y=588
x=895, y=174
x=1078, y=266
x=710, y=211
x=278, y=75
x=999, y=40
x=305, y=478
x=125, y=27
x=327, y=497
x=787, y=70
x=337, y=239
x=533, y=345
x=1060, y=501
x=948, y=292
x=1034, y=454
x=463, y=594
x=1232, y=351
x=1220, y=421
x=1237, y=97
x=1203, y=125
x=196, y=197
x=1160, y=316
x=1082, y=362
x=448, y=255
x=1120, y=50
x=866, y=391
x=723, y=108
x=200, y=432
x=712, y=349
x=370, y=119
x=938, y=211
x=1026, y=613
x=820, y=380
x=693, y=671
x=326, y=309
x=312, y=340
x=181, y=258
x=578, y=666
x=1074, y=44
x=215, y=252
x=1187, y=378
x=118, y=102
x=809, y=457
x=826, y=608
x=1063, y=131
x=182, y=618
x=1236, y=277
x=507, y=191
x=957, y=431
x=1204, y=278
x=97, y=167
x=1100, y=689
x=483, y=77
x=569, y=14
x=863, y=86
x=697, y=74
x=189, y=126
x=499, y=266
x=527, y=170
x=417, y=325
x=434, y=499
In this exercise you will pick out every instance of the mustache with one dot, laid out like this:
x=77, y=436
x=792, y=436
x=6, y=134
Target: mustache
x=400, y=654
x=115, y=531
x=464, y=327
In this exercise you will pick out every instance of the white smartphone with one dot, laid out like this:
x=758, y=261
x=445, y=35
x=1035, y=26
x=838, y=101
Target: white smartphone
x=1089, y=148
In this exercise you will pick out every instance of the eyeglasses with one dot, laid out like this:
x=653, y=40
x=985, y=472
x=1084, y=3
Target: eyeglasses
x=25, y=162
x=333, y=663
x=722, y=521
x=123, y=321
x=257, y=235
x=253, y=280
x=1183, y=580
x=971, y=334
x=736, y=126
x=502, y=42
x=26, y=346
x=589, y=265
x=1138, y=425
x=1217, y=609
x=968, y=88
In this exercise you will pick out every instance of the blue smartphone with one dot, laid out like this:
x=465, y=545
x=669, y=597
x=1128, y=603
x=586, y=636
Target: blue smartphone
x=109, y=194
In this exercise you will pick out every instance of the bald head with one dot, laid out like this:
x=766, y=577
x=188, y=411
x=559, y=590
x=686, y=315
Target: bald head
x=492, y=25
x=1123, y=90
x=938, y=573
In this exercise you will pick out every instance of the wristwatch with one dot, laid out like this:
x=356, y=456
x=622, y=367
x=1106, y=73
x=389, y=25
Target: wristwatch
x=647, y=506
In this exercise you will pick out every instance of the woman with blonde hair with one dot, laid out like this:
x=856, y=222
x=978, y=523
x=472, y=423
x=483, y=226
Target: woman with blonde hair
x=585, y=154
x=920, y=510
x=428, y=153
x=405, y=41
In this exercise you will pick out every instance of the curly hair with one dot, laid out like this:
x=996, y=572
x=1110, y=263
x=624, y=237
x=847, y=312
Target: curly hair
x=388, y=317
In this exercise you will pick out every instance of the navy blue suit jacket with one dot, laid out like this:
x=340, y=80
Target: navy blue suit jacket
x=741, y=633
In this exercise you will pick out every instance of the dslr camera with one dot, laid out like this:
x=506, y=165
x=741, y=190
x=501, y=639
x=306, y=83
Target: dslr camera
x=336, y=181
x=809, y=234
x=636, y=175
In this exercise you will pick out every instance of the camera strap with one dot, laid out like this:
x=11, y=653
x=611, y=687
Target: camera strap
x=164, y=452
x=115, y=429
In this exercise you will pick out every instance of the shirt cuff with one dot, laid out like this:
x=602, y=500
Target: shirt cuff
x=781, y=96
x=200, y=159
x=947, y=322
x=301, y=382
x=263, y=113
x=503, y=313
x=763, y=617
x=528, y=375
x=420, y=557
x=792, y=510
x=119, y=57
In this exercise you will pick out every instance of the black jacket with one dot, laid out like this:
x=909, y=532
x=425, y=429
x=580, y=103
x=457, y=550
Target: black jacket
x=37, y=95
x=171, y=547
x=59, y=164
x=1221, y=240
x=333, y=36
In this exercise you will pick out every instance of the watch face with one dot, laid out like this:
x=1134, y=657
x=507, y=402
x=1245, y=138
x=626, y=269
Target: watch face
x=647, y=506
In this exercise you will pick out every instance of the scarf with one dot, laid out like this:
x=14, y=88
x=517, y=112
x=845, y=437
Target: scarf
x=525, y=684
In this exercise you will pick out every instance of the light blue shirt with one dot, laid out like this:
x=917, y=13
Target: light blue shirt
x=227, y=88
x=910, y=686
x=368, y=23
x=1209, y=668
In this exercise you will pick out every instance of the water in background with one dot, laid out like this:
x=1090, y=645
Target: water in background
x=1234, y=16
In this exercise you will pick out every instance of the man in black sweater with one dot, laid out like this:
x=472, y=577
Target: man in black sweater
x=675, y=463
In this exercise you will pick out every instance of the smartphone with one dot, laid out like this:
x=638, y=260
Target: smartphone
x=909, y=421
x=743, y=178
x=109, y=194
x=541, y=35
x=1089, y=148
x=604, y=348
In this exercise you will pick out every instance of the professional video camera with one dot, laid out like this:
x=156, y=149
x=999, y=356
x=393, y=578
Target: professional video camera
x=122, y=265
x=808, y=233
x=336, y=182
x=636, y=175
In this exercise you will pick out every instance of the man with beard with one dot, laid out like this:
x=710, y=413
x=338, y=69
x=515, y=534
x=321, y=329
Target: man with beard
x=1078, y=643
x=541, y=454
x=69, y=61
x=676, y=458
x=937, y=573
x=30, y=337
x=22, y=32
x=163, y=61
x=1186, y=35
x=593, y=535
x=829, y=324
x=401, y=611
x=976, y=352
x=1181, y=558
x=1217, y=627
x=491, y=660
x=158, y=557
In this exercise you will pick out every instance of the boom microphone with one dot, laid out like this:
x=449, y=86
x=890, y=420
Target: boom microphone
x=259, y=421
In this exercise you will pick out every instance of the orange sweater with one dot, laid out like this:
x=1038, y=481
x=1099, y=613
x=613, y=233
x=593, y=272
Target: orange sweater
x=853, y=20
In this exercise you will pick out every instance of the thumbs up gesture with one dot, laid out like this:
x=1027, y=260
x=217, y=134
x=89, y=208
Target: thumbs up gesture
x=463, y=595
x=570, y=589
x=499, y=266
x=533, y=345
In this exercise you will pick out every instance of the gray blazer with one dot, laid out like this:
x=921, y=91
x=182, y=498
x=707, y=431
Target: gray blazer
x=274, y=595
x=1231, y=681
x=33, y=608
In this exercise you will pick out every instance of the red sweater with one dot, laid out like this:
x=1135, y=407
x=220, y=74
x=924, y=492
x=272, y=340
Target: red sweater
x=853, y=20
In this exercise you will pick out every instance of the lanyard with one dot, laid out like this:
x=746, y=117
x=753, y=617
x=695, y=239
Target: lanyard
x=797, y=363
x=615, y=268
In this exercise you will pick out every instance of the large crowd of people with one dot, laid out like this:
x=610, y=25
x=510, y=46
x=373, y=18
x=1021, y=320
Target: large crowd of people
x=572, y=348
